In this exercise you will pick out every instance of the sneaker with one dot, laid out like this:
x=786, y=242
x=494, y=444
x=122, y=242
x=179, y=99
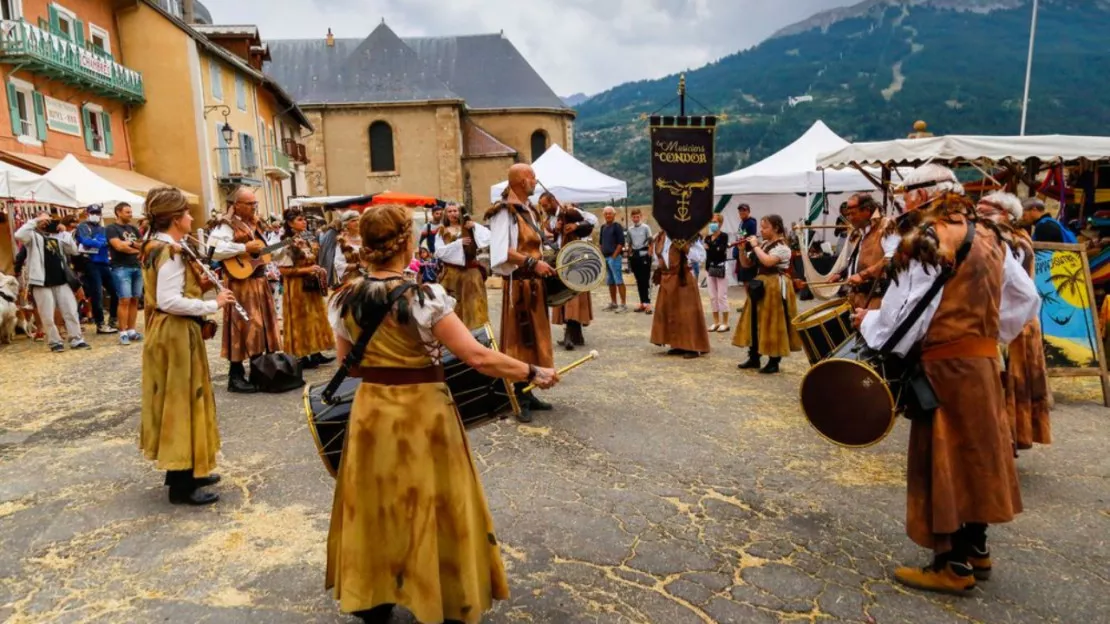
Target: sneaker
x=724, y=329
x=714, y=328
x=136, y=336
x=611, y=307
x=106, y=329
x=125, y=339
x=79, y=344
x=622, y=309
x=114, y=324
x=57, y=347
x=944, y=577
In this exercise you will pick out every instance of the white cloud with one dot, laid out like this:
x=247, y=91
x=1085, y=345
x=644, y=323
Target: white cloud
x=576, y=45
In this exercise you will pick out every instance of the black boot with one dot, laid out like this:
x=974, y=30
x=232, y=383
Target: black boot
x=308, y=363
x=566, y=342
x=525, y=403
x=183, y=489
x=322, y=359
x=380, y=614
x=575, y=335
x=211, y=479
x=772, y=366
x=538, y=404
x=237, y=380
x=752, y=363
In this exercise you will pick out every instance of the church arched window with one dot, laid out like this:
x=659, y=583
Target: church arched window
x=381, y=147
x=539, y=144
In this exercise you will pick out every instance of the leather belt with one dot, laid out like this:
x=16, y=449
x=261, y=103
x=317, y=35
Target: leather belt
x=394, y=376
x=963, y=348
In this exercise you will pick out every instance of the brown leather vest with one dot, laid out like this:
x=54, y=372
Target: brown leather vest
x=969, y=305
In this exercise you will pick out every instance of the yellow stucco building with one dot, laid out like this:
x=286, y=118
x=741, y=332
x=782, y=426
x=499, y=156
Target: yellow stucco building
x=218, y=121
x=443, y=116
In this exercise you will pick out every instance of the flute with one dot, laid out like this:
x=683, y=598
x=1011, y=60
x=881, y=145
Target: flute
x=211, y=275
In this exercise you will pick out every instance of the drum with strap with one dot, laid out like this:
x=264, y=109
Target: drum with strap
x=579, y=267
x=824, y=328
x=480, y=399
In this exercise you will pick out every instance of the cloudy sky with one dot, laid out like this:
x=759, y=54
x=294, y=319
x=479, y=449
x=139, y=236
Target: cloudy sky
x=576, y=45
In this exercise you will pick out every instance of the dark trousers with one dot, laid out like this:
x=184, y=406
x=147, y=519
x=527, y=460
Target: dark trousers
x=98, y=277
x=641, y=269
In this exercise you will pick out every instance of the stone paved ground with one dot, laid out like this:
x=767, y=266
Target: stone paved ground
x=662, y=490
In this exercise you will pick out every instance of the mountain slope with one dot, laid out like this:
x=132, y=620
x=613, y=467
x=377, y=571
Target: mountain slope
x=872, y=70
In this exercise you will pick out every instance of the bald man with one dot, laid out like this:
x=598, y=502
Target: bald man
x=516, y=254
x=237, y=233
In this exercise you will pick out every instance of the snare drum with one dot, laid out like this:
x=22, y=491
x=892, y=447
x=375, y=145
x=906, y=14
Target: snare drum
x=480, y=400
x=579, y=268
x=824, y=328
x=852, y=397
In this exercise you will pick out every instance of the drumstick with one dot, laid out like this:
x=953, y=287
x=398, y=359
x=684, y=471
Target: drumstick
x=566, y=369
x=572, y=263
x=827, y=283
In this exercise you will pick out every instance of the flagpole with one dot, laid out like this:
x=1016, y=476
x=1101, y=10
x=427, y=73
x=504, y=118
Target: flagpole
x=1029, y=67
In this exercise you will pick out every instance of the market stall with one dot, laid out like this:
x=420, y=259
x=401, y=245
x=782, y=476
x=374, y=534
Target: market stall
x=570, y=180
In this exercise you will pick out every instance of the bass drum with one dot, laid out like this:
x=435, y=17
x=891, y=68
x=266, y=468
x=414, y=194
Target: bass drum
x=824, y=328
x=852, y=397
x=580, y=267
x=479, y=398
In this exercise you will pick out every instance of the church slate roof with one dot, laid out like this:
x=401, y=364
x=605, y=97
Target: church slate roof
x=486, y=71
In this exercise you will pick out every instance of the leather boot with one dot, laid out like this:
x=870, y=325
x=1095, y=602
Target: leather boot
x=211, y=479
x=380, y=614
x=752, y=363
x=772, y=366
x=943, y=576
x=575, y=335
x=525, y=403
x=237, y=380
x=322, y=359
x=566, y=342
x=538, y=404
x=183, y=490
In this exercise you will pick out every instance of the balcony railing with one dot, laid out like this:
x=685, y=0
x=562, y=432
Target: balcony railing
x=276, y=163
x=59, y=58
x=236, y=165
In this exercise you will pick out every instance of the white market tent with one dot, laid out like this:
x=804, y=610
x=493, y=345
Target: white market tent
x=22, y=185
x=954, y=149
x=785, y=182
x=570, y=180
x=91, y=188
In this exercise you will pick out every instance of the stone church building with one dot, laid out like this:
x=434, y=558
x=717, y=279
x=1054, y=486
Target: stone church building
x=442, y=116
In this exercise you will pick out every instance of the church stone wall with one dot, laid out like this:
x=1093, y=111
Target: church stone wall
x=316, y=172
x=515, y=129
x=482, y=173
x=426, y=151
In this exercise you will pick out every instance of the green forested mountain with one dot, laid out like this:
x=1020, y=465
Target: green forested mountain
x=872, y=70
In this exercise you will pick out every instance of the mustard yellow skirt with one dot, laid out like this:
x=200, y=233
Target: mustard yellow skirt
x=776, y=336
x=305, y=328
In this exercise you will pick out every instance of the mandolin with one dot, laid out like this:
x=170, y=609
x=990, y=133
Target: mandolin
x=244, y=265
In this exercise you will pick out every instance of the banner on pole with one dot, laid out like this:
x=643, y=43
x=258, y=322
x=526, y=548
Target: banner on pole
x=682, y=174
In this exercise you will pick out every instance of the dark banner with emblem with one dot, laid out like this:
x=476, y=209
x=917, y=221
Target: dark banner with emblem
x=682, y=174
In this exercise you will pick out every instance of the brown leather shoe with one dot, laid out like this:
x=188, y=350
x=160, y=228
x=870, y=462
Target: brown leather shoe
x=946, y=578
x=980, y=564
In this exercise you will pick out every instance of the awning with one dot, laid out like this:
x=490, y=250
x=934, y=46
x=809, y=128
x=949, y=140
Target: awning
x=133, y=181
x=359, y=202
x=956, y=149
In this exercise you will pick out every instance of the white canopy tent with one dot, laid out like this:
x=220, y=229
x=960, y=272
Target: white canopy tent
x=954, y=149
x=570, y=180
x=785, y=182
x=22, y=185
x=92, y=189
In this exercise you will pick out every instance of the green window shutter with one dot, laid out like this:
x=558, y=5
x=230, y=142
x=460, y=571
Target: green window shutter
x=243, y=152
x=106, y=121
x=53, y=15
x=79, y=32
x=13, y=110
x=86, y=117
x=40, y=115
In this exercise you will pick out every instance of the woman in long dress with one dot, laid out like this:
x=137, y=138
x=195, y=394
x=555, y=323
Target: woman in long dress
x=410, y=525
x=765, y=325
x=347, y=264
x=1026, y=375
x=457, y=245
x=305, y=331
x=178, y=426
x=679, y=320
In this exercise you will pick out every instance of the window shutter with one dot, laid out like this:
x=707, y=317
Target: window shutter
x=86, y=117
x=243, y=152
x=52, y=14
x=40, y=115
x=106, y=123
x=13, y=110
x=79, y=32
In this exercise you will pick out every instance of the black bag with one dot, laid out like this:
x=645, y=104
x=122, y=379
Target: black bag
x=717, y=271
x=276, y=373
x=756, y=290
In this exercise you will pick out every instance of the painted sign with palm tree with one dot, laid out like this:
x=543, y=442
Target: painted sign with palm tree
x=1068, y=317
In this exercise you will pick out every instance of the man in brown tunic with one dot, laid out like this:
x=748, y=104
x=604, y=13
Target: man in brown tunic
x=237, y=233
x=516, y=253
x=566, y=224
x=961, y=475
x=875, y=242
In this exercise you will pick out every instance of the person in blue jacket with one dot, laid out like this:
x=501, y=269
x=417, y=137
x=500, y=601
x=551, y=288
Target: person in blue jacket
x=93, y=243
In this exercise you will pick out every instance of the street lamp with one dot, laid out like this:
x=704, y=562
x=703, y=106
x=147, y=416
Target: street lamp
x=226, y=130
